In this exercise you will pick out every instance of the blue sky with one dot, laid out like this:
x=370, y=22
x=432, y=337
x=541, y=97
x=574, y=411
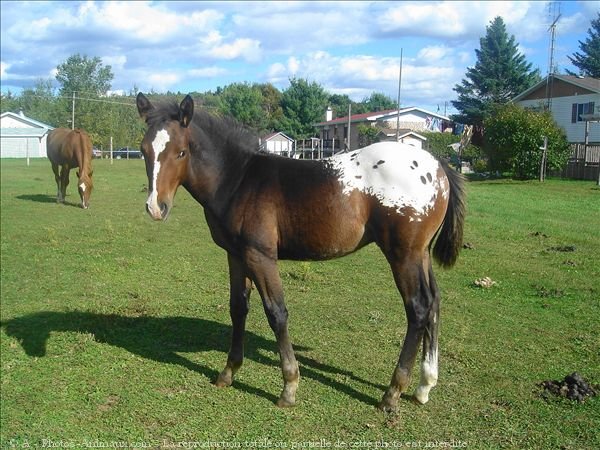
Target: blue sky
x=348, y=47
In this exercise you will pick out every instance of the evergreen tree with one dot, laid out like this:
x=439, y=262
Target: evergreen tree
x=500, y=73
x=588, y=61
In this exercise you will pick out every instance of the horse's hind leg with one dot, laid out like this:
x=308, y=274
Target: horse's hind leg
x=59, y=197
x=412, y=283
x=239, y=288
x=429, y=362
x=64, y=181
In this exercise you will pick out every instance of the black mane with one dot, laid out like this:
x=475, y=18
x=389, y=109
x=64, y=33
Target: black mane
x=215, y=128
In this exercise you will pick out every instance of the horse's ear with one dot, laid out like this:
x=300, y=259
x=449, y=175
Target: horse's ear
x=143, y=105
x=186, y=111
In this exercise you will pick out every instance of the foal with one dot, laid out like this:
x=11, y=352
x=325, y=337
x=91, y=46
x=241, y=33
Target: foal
x=261, y=208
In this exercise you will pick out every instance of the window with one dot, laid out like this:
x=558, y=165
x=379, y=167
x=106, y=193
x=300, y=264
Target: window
x=578, y=109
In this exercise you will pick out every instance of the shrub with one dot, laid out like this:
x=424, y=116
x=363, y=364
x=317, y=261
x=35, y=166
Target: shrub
x=513, y=137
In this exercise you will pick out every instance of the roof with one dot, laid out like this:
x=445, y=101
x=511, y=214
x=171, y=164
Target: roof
x=403, y=133
x=358, y=117
x=26, y=120
x=376, y=115
x=276, y=133
x=23, y=132
x=589, y=83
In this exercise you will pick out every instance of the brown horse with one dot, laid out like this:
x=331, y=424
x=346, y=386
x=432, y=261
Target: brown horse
x=68, y=149
x=261, y=208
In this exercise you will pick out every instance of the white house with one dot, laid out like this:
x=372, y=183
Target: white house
x=405, y=136
x=573, y=100
x=278, y=143
x=22, y=137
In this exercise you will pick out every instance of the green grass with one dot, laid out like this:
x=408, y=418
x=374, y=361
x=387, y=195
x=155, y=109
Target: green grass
x=114, y=327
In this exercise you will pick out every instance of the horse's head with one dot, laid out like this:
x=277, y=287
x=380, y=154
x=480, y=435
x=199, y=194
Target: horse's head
x=166, y=149
x=85, y=186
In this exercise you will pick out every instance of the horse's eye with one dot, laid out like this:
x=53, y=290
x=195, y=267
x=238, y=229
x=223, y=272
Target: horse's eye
x=181, y=154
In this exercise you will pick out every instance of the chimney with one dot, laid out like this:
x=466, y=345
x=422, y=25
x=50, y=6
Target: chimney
x=328, y=114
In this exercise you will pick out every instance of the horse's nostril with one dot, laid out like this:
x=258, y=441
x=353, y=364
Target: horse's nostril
x=163, y=209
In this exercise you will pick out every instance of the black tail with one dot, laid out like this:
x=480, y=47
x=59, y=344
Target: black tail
x=450, y=237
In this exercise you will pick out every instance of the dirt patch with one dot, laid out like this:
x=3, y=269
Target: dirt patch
x=538, y=234
x=573, y=387
x=562, y=248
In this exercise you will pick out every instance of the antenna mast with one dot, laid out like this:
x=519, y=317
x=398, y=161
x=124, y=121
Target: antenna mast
x=552, y=9
x=399, y=88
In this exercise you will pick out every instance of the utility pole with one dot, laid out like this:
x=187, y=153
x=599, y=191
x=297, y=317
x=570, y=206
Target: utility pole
x=399, y=88
x=73, y=113
x=550, y=78
x=349, y=123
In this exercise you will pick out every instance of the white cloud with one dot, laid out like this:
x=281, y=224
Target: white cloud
x=248, y=49
x=425, y=82
x=3, y=67
x=293, y=65
x=163, y=81
x=206, y=72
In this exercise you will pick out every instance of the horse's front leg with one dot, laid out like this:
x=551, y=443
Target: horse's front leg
x=265, y=274
x=239, y=296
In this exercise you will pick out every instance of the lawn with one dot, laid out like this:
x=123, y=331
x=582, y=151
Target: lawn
x=114, y=327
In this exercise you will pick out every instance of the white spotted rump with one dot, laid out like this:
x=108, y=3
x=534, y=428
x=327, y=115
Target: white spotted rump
x=158, y=145
x=399, y=175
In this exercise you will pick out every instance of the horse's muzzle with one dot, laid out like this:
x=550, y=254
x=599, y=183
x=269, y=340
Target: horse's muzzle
x=158, y=214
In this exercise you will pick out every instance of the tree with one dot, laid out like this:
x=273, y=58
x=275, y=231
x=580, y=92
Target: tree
x=84, y=76
x=303, y=105
x=271, y=105
x=9, y=102
x=378, y=102
x=514, y=136
x=40, y=103
x=499, y=74
x=243, y=102
x=87, y=80
x=588, y=61
x=367, y=135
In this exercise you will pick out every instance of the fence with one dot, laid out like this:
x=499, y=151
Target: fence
x=584, y=162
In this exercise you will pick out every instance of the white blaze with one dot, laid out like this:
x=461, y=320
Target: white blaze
x=82, y=187
x=399, y=175
x=158, y=145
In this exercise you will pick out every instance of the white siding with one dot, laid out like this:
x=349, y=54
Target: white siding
x=19, y=147
x=416, y=121
x=411, y=140
x=561, y=111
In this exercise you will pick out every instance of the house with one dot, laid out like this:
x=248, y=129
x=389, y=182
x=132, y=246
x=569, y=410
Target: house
x=405, y=136
x=573, y=101
x=278, y=143
x=334, y=131
x=22, y=137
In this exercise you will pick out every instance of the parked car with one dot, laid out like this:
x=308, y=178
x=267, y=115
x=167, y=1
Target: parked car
x=127, y=153
x=96, y=153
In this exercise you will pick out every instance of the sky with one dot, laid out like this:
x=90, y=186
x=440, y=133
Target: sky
x=349, y=48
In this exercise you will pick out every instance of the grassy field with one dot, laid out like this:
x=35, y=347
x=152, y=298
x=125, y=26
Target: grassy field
x=114, y=327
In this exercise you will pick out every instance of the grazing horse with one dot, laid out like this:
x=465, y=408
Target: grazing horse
x=261, y=208
x=68, y=149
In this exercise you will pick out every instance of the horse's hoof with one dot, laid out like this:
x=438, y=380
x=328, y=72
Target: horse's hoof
x=387, y=407
x=421, y=396
x=285, y=403
x=223, y=381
